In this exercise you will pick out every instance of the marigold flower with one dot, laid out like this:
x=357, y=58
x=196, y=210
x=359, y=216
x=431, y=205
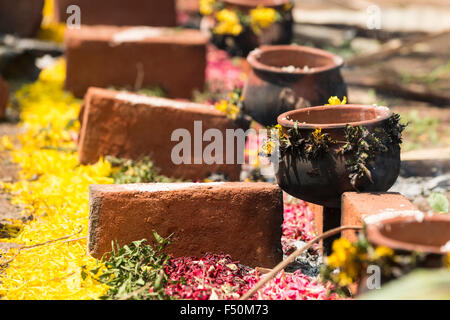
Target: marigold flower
x=344, y=258
x=52, y=187
x=50, y=29
x=281, y=134
x=207, y=7
x=382, y=251
x=228, y=23
x=262, y=18
x=335, y=101
x=231, y=110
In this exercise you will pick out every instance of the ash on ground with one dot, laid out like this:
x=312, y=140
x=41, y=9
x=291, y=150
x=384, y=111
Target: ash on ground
x=418, y=189
x=308, y=262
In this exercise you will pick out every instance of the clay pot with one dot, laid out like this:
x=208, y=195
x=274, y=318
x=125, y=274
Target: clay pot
x=278, y=33
x=409, y=234
x=324, y=180
x=280, y=82
x=406, y=235
x=21, y=18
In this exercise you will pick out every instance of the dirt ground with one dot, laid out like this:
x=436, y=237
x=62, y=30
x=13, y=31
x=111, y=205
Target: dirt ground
x=8, y=173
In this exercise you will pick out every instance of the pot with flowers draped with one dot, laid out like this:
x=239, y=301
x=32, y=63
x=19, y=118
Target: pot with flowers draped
x=325, y=151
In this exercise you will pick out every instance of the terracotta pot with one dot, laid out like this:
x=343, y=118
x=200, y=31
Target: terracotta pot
x=279, y=81
x=410, y=234
x=21, y=17
x=406, y=235
x=278, y=33
x=324, y=180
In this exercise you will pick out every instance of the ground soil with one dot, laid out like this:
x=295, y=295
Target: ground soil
x=8, y=173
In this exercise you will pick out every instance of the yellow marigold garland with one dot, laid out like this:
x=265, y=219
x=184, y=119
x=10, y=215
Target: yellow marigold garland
x=54, y=189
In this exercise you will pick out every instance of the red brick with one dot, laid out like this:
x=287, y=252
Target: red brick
x=120, y=13
x=318, y=220
x=4, y=96
x=22, y=18
x=318, y=217
x=135, y=57
x=129, y=126
x=358, y=206
x=240, y=219
x=188, y=6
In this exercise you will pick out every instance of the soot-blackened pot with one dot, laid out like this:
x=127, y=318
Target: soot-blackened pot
x=323, y=181
x=289, y=77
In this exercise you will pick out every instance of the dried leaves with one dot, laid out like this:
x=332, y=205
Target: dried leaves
x=363, y=146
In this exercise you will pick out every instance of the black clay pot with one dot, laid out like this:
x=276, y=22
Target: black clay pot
x=323, y=181
x=285, y=78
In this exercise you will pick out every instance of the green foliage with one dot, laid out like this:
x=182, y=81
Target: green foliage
x=310, y=147
x=136, y=171
x=427, y=78
x=422, y=131
x=364, y=146
x=438, y=202
x=152, y=92
x=419, y=285
x=135, y=271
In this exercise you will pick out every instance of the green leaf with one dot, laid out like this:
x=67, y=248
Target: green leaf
x=438, y=202
x=158, y=238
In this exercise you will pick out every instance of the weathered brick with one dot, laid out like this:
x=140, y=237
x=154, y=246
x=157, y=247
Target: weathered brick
x=318, y=220
x=240, y=219
x=22, y=18
x=120, y=13
x=134, y=58
x=357, y=207
x=131, y=126
x=4, y=97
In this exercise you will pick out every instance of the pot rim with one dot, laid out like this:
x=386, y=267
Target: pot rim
x=375, y=236
x=253, y=56
x=386, y=113
x=265, y=3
